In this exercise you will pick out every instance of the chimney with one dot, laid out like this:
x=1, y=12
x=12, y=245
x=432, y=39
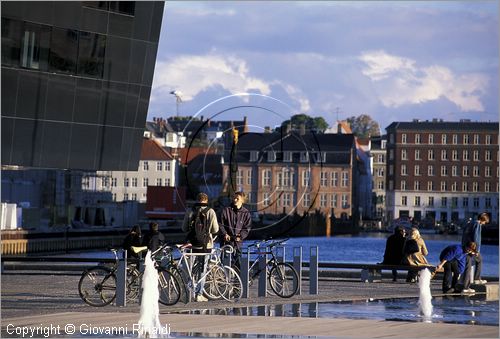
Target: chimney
x=302, y=129
x=288, y=128
x=267, y=129
x=245, y=125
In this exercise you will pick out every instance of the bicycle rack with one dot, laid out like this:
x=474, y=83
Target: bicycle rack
x=262, y=292
x=297, y=264
x=313, y=270
x=244, y=274
x=121, y=279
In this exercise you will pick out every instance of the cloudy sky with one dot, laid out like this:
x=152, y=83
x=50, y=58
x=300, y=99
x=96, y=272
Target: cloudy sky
x=395, y=61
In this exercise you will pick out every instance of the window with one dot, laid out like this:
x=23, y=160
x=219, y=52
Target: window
x=249, y=177
x=476, y=139
x=266, y=200
x=380, y=158
x=404, y=200
x=403, y=138
x=114, y=196
x=12, y=31
x=145, y=166
x=487, y=139
x=431, y=139
x=404, y=155
x=391, y=185
x=487, y=186
x=159, y=166
x=417, y=201
x=454, y=202
x=134, y=196
x=430, y=185
x=391, y=154
x=416, y=185
x=381, y=185
x=287, y=156
x=430, y=170
x=475, y=171
x=487, y=155
x=465, y=171
x=465, y=186
x=125, y=196
x=466, y=139
x=239, y=177
x=430, y=154
x=35, y=43
x=417, y=138
x=443, y=186
x=306, y=200
x=345, y=201
x=266, y=177
x=306, y=178
x=454, y=171
x=322, y=200
x=253, y=155
x=454, y=186
x=444, y=201
x=304, y=157
x=475, y=202
x=487, y=202
x=91, y=50
x=475, y=155
x=145, y=182
x=333, y=201
x=323, y=179
x=444, y=155
x=167, y=165
x=114, y=182
x=158, y=182
x=334, y=179
x=487, y=171
x=403, y=185
x=271, y=156
x=391, y=170
x=444, y=171
x=123, y=7
x=430, y=201
x=454, y=155
x=465, y=202
x=417, y=170
x=345, y=179
x=475, y=186
x=63, y=50
x=286, y=199
x=454, y=139
x=417, y=154
x=380, y=172
x=134, y=183
x=443, y=139
x=466, y=155
x=167, y=182
x=125, y=182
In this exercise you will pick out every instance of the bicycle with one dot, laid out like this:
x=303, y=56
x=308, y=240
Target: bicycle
x=97, y=285
x=282, y=276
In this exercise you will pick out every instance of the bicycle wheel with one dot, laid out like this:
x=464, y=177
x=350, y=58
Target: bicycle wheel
x=215, y=283
x=284, y=280
x=133, y=284
x=169, y=287
x=234, y=287
x=97, y=286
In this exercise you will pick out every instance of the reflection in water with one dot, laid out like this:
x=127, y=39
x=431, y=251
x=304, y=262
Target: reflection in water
x=448, y=309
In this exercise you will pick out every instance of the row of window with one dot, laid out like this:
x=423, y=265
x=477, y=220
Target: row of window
x=133, y=196
x=445, y=202
x=123, y=7
x=287, y=156
x=445, y=155
x=286, y=178
x=289, y=199
x=133, y=182
x=417, y=170
x=444, y=186
x=465, y=139
x=46, y=48
x=160, y=165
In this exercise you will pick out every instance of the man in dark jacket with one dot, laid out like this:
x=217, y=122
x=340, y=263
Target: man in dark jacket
x=472, y=232
x=235, y=225
x=154, y=238
x=453, y=259
x=394, y=249
x=133, y=238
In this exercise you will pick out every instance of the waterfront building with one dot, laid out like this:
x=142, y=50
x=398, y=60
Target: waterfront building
x=442, y=170
x=378, y=158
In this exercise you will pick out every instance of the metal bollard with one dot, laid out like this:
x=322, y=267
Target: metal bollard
x=244, y=274
x=280, y=255
x=313, y=270
x=297, y=264
x=121, y=279
x=263, y=275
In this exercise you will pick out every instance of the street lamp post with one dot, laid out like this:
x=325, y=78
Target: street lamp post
x=178, y=100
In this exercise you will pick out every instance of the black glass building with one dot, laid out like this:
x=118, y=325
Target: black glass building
x=76, y=82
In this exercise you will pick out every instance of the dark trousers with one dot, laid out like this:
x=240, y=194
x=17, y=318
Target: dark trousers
x=470, y=260
x=451, y=274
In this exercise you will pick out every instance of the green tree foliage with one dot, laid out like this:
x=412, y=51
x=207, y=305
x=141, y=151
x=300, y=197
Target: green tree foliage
x=318, y=124
x=363, y=126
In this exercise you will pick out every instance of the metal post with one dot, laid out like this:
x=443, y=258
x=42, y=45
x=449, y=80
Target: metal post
x=281, y=255
x=297, y=264
x=244, y=274
x=263, y=275
x=313, y=270
x=121, y=279
x=296, y=310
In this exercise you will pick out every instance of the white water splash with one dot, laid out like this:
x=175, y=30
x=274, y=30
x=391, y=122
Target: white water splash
x=425, y=297
x=149, y=322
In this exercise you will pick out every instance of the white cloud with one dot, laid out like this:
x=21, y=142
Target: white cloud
x=400, y=81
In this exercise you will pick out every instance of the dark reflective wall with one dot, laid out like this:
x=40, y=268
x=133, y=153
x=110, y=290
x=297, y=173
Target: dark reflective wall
x=76, y=81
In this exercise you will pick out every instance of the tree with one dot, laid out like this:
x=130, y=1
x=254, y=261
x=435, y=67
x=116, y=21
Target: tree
x=363, y=126
x=317, y=124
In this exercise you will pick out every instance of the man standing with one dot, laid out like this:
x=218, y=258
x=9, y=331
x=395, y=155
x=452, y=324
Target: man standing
x=201, y=225
x=472, y=232
x=393, y=254
x=236, y=223
x=453, y=259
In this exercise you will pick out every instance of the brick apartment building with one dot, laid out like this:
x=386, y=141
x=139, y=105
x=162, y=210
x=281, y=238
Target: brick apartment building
x=378, y=154
x=440, y=170
x=296, y=172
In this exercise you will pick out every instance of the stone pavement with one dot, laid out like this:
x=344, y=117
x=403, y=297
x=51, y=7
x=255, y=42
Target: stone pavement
x=52, y=300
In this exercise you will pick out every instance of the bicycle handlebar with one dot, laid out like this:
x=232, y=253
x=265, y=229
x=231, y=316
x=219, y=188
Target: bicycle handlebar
x=268, y=242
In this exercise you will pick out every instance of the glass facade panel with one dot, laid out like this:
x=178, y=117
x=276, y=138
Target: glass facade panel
x=11, y=41
x=63, y=50
x=91, y=50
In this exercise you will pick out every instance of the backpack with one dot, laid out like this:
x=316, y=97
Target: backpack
x=199, y=229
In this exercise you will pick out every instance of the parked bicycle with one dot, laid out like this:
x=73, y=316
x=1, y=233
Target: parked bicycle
x=97, y=285
x=282, y=277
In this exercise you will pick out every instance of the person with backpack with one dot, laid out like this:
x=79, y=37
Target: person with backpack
x=472, y=232
x=236, y=223
x=201, y=226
